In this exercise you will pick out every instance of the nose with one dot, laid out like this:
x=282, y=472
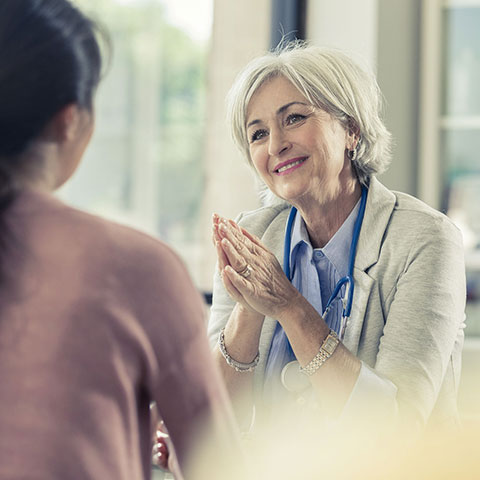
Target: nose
x=278, y=142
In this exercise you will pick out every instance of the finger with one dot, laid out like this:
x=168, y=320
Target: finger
x=160, y=435
x=220, y=224
x=219, y=232
x=241, y=243
x=232, y=290
x=215, y=233
x=160, y=448
x=246, y=239
x=215, y=236
x=221, y=257
x=161, y=427
x=237, y=282
x=254, y=239
x=160, y=454
x=236, y=259
x=234, y=225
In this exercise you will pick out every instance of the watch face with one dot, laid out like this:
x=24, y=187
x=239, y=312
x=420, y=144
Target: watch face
x=330, y=345
x=293, y=379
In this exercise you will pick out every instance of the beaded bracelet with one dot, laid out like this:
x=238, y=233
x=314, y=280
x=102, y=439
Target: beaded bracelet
x=238, y=366
x=326, y=351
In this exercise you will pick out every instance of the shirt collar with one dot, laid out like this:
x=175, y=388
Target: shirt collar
x=337, y=250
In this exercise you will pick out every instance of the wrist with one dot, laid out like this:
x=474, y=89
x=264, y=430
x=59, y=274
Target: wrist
x=242, y=334
x=294, y=310
x=242, y=367
x=247, y=314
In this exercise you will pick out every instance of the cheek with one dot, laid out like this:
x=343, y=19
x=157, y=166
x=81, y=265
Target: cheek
x=259, y=159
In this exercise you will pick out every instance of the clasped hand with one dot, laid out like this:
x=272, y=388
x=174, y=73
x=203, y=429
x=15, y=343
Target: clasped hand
x=251, y=274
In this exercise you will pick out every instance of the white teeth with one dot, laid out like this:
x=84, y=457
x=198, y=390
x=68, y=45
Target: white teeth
x=290, y=165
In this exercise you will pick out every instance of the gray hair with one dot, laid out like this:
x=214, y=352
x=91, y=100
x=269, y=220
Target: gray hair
x=329, y=79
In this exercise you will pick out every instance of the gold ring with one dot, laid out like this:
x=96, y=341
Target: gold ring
x=245, y=273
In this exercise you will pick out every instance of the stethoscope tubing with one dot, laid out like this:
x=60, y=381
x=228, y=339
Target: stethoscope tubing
x=346, y=280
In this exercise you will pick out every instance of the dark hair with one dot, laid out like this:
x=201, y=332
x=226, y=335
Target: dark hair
x=49, y=57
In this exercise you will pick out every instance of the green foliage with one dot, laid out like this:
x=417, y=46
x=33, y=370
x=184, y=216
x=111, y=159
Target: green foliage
x=181, y=103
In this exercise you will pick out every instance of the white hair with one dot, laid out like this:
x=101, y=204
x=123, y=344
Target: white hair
x=329, y=79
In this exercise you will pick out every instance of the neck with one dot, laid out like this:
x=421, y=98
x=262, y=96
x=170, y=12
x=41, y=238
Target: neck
x=324, y=218
x=39, y=168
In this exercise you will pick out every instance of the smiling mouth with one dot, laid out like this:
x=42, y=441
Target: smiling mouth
x=288, y=165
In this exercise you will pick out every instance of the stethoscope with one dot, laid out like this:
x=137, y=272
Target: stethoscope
x=290, y=377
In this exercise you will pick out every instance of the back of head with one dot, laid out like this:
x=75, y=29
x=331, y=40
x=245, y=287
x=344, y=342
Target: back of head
x=329, y=79
x=49, y=57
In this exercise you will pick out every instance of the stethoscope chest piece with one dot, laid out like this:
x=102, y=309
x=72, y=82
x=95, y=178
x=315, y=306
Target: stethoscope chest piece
x=293, y=379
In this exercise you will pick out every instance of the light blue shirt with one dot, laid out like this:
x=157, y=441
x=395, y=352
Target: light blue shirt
x=315, y=272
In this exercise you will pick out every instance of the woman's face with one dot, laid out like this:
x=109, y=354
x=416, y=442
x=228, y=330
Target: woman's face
x=299, y=151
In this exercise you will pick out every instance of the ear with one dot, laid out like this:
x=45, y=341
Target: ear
x=63, y=125
x=353, y=134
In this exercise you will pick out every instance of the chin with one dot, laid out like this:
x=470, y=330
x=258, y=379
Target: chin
x=290, y=191
x=291, y=195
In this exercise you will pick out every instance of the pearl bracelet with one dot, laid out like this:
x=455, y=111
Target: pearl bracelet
x=238, y=366
x=329, y=346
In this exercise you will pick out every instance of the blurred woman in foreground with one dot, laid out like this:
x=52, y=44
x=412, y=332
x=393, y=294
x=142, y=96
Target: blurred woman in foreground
x=97, y=320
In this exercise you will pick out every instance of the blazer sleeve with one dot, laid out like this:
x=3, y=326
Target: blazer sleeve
x=420, y=350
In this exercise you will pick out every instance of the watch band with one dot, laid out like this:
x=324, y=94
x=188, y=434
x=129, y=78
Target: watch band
x=327, y=349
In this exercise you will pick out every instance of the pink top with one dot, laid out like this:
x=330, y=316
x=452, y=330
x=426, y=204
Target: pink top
x=96, y=321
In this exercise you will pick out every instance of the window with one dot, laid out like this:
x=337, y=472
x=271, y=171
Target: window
x=144, y=166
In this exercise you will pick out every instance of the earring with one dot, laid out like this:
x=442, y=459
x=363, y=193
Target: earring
x=352, y=154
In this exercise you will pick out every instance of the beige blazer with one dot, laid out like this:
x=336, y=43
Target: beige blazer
x=408, y=308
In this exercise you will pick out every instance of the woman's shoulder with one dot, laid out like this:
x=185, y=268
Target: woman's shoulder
x=96, y=239
x=138, y=248
x=408, y=212
x=411, y=211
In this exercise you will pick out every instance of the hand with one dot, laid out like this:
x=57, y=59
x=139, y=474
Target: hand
x=160, y=451
x=163, y=454
x=223, y=262
x=216, y=239
x=266, y=289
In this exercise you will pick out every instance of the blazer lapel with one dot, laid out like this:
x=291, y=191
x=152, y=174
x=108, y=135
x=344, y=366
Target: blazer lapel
x=362, y=289
x=379, y=208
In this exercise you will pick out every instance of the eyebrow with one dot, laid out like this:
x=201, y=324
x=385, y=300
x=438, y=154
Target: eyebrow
x=279, y=111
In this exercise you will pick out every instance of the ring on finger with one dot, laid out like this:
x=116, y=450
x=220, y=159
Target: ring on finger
x=245, y=272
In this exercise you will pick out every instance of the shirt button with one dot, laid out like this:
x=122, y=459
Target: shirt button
x=317, y=254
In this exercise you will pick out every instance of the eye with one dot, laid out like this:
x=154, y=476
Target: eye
x=258, y=135
x=294, y=118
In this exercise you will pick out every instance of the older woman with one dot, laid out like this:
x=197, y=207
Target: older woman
x=366, y=315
